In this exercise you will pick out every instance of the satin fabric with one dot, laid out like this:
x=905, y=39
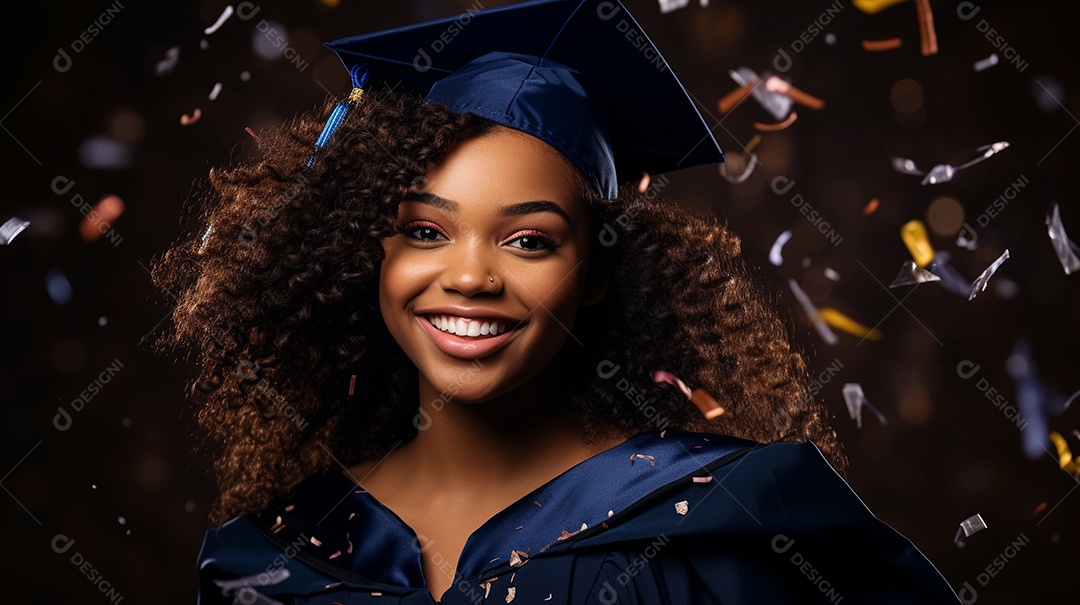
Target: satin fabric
x=759, y=523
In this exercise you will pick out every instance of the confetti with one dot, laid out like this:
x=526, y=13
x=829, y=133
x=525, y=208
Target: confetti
x=840, y=321
x=874, y=6
x=166, y=65
x=643, y=184
x=856, y=401
x=518, y=558
x=734, y=98
x=942, y=173
x=963, y=240
x=969, y=527
x=831, y=273
x=951, y=279
x=352, y=385
x=511, y=591
x=912, y=274
x=777, y=126
x=987, y=63
x=927, y=33
x=781, y=86
x=1067, y=251
x=918, y=242
x=980, y=282
x=667, y=6
x=215, y=91
x=186, y=120
x=812, y=313
x=775, y=256
x=12, y=227
x=870, y=207
x=100, y=219
x=880, y=45
x=1065, y=457
x=778, y=105
x=651, y=459
x=252, y=133
x=668, y=377
x=225, y=14
x=682, y=507
x=705, y=479
x=737, y=169
x=58, y=286
x=1038, y=509
x=708, y=406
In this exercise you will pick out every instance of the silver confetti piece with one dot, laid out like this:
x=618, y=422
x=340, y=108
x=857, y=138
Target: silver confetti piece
x=775, y=253
x=812, y=313
x=969, y=527
x=778, y=105
x=1064, y=247
x=856, y=401
x=980, y=282
x=910, y=273
x=12, y=227
x=943, y=173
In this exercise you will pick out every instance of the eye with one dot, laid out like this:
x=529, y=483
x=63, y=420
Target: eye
x=533, y=241
x=428, y=232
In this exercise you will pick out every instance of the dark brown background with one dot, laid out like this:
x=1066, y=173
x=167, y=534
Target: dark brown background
x=945, y=454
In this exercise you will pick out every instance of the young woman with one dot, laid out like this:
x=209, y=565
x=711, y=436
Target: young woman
x=441, y=354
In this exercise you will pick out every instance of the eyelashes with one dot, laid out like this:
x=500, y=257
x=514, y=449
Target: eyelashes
x=531, y=240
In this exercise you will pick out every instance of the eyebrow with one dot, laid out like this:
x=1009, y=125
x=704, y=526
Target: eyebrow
x=518, y=209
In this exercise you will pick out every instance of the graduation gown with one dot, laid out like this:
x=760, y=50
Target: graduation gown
x=682, y=518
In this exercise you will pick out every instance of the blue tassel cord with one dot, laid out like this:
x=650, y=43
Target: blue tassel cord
x=359, y=75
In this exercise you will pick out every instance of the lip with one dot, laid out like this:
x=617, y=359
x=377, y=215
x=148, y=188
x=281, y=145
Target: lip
x=467, y=347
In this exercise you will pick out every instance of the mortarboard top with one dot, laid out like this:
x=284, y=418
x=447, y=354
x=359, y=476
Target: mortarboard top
x=580, y=75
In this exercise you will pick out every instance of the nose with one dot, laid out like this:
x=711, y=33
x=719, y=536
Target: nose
x=469, y=265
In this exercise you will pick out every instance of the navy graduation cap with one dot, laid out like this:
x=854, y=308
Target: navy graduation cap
x=580, y=75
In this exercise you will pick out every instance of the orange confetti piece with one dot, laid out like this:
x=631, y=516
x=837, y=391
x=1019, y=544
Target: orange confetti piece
x=871, y=207
x=186, y=120
x=99, y=219
x=777, y=126
x=1038, y=509
x=927, y=33
x=781, y=86
x=880, y=45
x=874, y=6
x=643, y=184
x=709, y=407
x=840, y=321
x=251, y=132
x=732, y=99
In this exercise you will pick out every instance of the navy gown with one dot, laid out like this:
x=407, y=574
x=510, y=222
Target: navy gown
x=663, y=518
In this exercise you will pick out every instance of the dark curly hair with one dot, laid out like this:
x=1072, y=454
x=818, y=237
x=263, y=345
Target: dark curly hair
x=277, y=291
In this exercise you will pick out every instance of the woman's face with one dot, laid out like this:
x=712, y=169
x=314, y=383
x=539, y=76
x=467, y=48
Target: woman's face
x=501, y=205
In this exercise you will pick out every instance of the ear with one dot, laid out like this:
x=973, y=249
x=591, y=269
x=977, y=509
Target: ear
x=598, y=279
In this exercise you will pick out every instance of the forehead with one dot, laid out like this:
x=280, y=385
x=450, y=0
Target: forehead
x=507, y=164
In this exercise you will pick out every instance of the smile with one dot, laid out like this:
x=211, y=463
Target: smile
x=464, y=326
x=468, y=338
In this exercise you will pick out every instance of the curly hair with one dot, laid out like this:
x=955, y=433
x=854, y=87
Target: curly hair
x=277, y=291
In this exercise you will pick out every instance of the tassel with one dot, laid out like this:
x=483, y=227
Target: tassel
x=359, y=75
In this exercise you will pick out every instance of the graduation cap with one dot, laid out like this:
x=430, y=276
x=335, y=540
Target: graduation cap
x=580, y=75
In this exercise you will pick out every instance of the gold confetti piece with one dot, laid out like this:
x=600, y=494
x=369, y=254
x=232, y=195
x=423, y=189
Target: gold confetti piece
x=186, y=120
x=927, y=33
x=874, y=6
x=871, y=207
x=752, y=145
x=643, y=185
x=705, y=402
x=518, y=558
x=880, y=45
x=682, y=507
x=651, y=459
x=918, y=242
x=840, y=321
x=1065, y=457
x=778, y=125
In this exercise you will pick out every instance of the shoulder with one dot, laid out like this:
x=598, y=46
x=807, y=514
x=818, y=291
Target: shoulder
x=774, y=523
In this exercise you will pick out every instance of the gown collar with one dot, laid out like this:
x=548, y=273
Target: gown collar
x=334, y=520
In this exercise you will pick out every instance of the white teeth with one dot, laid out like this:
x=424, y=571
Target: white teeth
x=467, y=327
